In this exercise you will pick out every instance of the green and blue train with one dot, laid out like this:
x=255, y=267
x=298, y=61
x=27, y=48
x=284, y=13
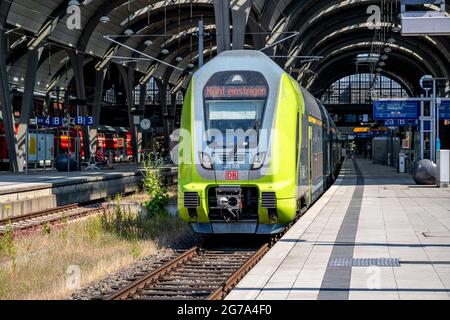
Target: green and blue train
x=256, y=148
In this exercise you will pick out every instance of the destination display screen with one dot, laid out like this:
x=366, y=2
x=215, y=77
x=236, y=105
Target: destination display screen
x=236, y=92
x=235, y=85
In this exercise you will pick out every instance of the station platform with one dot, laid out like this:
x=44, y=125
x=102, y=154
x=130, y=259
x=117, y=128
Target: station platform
x=22, y=194
x=373, y=235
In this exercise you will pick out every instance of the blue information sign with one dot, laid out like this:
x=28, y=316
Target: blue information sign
x=444, y=109
x=84, y=121
x=56, y=122
x=396, y=109
x=51, y=122
x=400, y=122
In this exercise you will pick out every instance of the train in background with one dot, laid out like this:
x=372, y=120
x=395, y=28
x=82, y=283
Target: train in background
x=46, y=145
x=260, y=182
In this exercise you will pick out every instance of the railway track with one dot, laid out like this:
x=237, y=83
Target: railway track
x=197, y=274
x=51, y=216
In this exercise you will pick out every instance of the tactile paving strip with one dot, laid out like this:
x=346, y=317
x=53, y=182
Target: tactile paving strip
x=370, y=262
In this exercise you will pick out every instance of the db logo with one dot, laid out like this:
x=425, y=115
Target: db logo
x=232, y=175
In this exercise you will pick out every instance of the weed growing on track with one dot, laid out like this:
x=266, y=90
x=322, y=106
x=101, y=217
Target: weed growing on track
x=154, y=186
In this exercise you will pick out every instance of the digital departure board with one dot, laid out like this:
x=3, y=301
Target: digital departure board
x=236, y=92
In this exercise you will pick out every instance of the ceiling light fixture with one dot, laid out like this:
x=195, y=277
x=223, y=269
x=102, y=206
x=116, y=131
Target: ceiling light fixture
x=391, y=40
x=73, y=3
x=128, y=32
x=105, y=19
x=396, y=29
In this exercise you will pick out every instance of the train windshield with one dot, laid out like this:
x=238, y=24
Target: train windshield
x=243, y=115
x=235, y=100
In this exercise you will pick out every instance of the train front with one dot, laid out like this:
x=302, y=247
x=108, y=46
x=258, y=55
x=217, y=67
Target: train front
x=228, y=116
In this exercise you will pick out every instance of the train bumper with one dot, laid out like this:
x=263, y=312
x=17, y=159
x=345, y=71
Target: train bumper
x=237, y=228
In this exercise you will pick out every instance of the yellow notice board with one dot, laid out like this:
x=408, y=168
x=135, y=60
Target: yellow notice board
x=32, y=148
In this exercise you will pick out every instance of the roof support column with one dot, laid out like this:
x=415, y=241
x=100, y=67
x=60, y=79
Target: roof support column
x=128, y=79
x=96, y=109
x=77, y=61
x=162, y=86
x=173, y=109
x=142, y=104
x=27, y=103
x=222, y=13
x=240, y=10
x=7, y=109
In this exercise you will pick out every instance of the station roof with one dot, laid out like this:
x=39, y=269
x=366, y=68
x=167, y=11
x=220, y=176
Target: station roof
x=335, y=30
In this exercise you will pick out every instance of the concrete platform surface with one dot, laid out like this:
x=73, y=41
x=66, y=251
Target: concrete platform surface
x=373, y=235
x=11, y=183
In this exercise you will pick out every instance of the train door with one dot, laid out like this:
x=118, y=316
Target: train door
x=310, y=164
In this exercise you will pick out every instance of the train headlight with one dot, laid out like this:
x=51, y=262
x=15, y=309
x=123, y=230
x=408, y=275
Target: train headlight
x=258, y=161
x=206, y=161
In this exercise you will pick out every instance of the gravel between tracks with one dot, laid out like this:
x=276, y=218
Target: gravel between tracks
x=115, y=282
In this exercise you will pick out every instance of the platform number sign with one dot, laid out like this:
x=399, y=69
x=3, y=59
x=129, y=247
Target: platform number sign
x=50, y=122
x=84, y=121
x=57, y=122
x=400, y=122
x=232, y=175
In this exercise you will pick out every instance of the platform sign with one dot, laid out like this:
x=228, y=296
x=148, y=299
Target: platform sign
x=444, y=109
x=400, y=123
x=58, y=122
x=84, y=121
x=50, y=122
x=396, y=109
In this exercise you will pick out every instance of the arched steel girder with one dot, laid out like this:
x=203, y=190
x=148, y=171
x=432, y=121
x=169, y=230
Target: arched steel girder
x=179, y=49
x=94, y=21
x=298, y=13
x=355, y=8
x=322, y=83
x=170, y=45
x=439, y=46
x=271, y=13
x=22, y=50
x=168, y=73
x=310, y=43
x=434, y=60
x=187, y=23
x=159, y=28
x=193, y=53
x=346, y=58
x=405, y=68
